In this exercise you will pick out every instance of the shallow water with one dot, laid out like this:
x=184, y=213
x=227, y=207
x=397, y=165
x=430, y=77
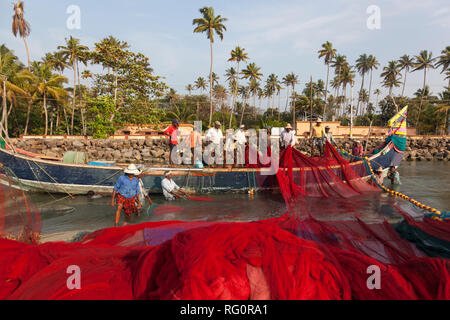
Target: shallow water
x=426, y=182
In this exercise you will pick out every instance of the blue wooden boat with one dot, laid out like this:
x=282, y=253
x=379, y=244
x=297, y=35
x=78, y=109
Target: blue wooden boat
x=41, y=175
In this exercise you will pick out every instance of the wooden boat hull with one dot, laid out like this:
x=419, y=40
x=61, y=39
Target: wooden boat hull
x=41, y=175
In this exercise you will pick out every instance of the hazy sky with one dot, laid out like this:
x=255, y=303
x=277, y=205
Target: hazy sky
x=279, y=36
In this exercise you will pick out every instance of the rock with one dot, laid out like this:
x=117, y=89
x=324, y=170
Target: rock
x=157, y=153
x=78, y=144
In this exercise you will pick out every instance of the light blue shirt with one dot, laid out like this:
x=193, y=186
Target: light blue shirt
x=126, y=187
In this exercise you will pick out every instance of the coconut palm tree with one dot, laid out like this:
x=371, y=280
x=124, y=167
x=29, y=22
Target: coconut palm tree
x=347, y=78
x=291, y=79
x=189, y=88
x=328, y=53
x=373, y=64
x=339, y=63
x=391, y=74
x=21, y=26
x=200, y=84
x=377, y=92
x=72, y=52
x=424, y=61
x=405, y=63
x=271, y=85
x=48, y=85
x=362, y=65
x=238, y=55
x=251, y=72
x=210, y=24
x=444, y=62
x=254, y=87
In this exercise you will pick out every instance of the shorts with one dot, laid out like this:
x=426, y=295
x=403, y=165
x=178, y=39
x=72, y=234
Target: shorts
x=317, y=142
x=128, y=205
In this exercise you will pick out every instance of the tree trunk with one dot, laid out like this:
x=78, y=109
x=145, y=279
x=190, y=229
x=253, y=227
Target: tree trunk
x=28, y=53
x=279, y=105
x=45, y=113
x=25, y=132
x=359, y=95
x=293, y=106
x=5, y=111
x=287, y=98
x=421, y=99
x=234, y=94
x=404, y=83
x=210, y=85
x=74, y=93
x=370, y=87
x=326, y=92
x=115, y=87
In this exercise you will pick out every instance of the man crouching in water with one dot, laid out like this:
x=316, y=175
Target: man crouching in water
x=127, y=191
x=170, y=189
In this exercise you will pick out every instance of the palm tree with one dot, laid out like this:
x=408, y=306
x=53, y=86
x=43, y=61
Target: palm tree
x=373, y=64
x=328, y=53
x=291, y=79
x=251, y=72
x=377, y=92
x=391, y=76
x=405, y=63
x=444, y=62
x=9, y=81
x=189, y=88
x=47, y=85
x=347, y=78
x=238, y=55
x=424, y=61
x=339, y=63
x=21, y=26
x=362, y=65
x=200, y=84
x=254, y=87
x=72, y=52
x=209, y=23
x=271, y=86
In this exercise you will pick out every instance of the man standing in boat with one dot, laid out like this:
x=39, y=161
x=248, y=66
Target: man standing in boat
x=172, y=131
x=287, y=137
x=214, y=135
x=127, y=191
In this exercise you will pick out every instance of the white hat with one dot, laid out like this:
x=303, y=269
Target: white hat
x=131, y=169
x=319, y=120
x=167, y=173
x=242, y=126
x=288, y=126
x=217, y=123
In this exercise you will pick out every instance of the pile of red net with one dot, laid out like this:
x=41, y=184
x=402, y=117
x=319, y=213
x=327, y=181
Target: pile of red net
x=294, y=256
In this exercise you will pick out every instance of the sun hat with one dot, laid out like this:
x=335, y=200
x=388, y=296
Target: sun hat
x=319, y=120
x=131, y=169
x=242, y=126
x=217, y=123
x=288, y=126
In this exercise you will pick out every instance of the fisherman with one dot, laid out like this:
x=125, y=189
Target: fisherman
x=171, y=190
x=214, y=135
x=394, y=176
x=172, y=131
x=358, y=149
x=196, y=141
x=287, y=137
x=317, y=135
x=328, y=136
x=379, y=177
x=241, y=142
x=143, y=194
x=127, y=191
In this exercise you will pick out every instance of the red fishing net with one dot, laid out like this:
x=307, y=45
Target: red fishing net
x=295, y=256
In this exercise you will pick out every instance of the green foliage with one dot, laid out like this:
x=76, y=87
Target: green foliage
x=100, y=110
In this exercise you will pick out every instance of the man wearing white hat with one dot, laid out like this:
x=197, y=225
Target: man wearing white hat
x=127, y=191
x=215, y=136
x=171, y=190
x=287, y=137
x=241, y=141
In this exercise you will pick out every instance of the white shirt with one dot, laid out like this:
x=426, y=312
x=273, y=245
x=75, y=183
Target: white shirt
x=240, y=137
x=214, y=135
x=168, y=186
x=142, y=191
x=287, y=138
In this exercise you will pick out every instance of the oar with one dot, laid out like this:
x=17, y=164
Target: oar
x=196, y=198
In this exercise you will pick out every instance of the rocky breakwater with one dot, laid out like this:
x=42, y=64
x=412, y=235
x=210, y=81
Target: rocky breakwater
x=152, y=150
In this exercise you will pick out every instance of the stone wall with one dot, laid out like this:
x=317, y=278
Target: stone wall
x=155, y=150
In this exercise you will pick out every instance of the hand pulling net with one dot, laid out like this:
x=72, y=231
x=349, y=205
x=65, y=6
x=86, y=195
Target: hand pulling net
x=295, y=256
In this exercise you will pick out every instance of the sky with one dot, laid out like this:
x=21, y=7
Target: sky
x=280, y=36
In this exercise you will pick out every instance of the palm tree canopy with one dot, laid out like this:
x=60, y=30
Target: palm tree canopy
x=444, y=60
x=200, y=83
x=73, y=50
x=209, y=23
x=252, y=72
x=362, y=64
x=405, y=62
x=238, y=54
x=424, y=60
x=327, y=52
x=19, y=24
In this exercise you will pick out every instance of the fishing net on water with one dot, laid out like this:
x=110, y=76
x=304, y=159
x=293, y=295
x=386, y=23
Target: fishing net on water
x=295, y=256
x=19, y=218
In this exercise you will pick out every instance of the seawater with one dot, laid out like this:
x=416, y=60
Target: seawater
x=427, y=182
